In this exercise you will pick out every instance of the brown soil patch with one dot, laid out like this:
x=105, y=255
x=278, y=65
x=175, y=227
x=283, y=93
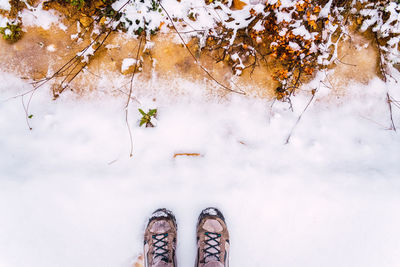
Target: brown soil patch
x=358, y=61
x=41, y=52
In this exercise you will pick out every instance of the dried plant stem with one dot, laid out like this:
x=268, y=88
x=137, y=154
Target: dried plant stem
x=389, y=101
x=299, y=118
x=187, y=154
x=26, y=113
x=129, y=98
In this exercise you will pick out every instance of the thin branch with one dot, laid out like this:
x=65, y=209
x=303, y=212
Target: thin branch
x=129, y=97
x=74, y=61
x=186, y=32
x=187, y=154
x=395, y=102
x=352, y=65
x=26, y=113
x=125, y=93
x=301, y=115
x=373, y=121
x=270, y=109
x=84, y=65
x=389, y=101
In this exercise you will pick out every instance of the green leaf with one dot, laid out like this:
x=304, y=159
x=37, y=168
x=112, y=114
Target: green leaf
x=30, y=116
x=142, y=112
x=142, y=121
x=152, y=112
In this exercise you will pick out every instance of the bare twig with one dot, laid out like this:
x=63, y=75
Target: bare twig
x=301, y=115
x=186, y=32
x=340, y=60
x=395, y=102
x=26, y=113
x=130, y=95
x=381, y=65
x=389, y=101
x=125, y=93
x=187, y=154
x=270, y=110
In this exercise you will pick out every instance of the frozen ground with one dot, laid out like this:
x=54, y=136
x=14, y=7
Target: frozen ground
x=71, y=196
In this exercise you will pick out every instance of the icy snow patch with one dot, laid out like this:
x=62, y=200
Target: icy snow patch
x=324, y=13
x=86, y=54
x=3, y=21
x=5, y=4
x=42, y=18
x=71, y=196
x=159, y=213
x=210, y=211
x=302, y=31
x=259, y=26
x=7, y=32
x=51, y=48
x=127, y=63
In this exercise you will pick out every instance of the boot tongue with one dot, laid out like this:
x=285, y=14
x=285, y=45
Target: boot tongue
x=214, y=264
x=162, y=264
x=161, y=226
x=212, y=225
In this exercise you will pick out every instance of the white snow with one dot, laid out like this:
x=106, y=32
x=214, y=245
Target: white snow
x=37, y=17
x=3, y=21
x=210, y=211
x=326, y=10
x=302, y=31
x=159, y=213
x=71, y=196
x=259, y=26
x=294, y=46
x=51, y=48
x=5, y=5
x=7, y=32
x=127, y=63
x=86, y=54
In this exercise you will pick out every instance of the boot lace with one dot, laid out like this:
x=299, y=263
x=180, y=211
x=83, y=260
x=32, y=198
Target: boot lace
x=212, y=249
x=160, y=242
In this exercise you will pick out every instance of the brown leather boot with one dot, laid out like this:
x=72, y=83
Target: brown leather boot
x=212, y=239
x=160, y=240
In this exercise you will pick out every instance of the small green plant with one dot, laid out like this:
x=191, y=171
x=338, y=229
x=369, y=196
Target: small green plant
x=12, y=32
x=78, y=3
x=192, y=15
x=155, y=6
x=146, y=117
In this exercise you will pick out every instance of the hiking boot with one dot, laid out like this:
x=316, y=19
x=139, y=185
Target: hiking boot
x=160, y=240
x=212, y=239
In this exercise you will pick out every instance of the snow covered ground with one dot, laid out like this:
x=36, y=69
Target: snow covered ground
x=71, y=196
